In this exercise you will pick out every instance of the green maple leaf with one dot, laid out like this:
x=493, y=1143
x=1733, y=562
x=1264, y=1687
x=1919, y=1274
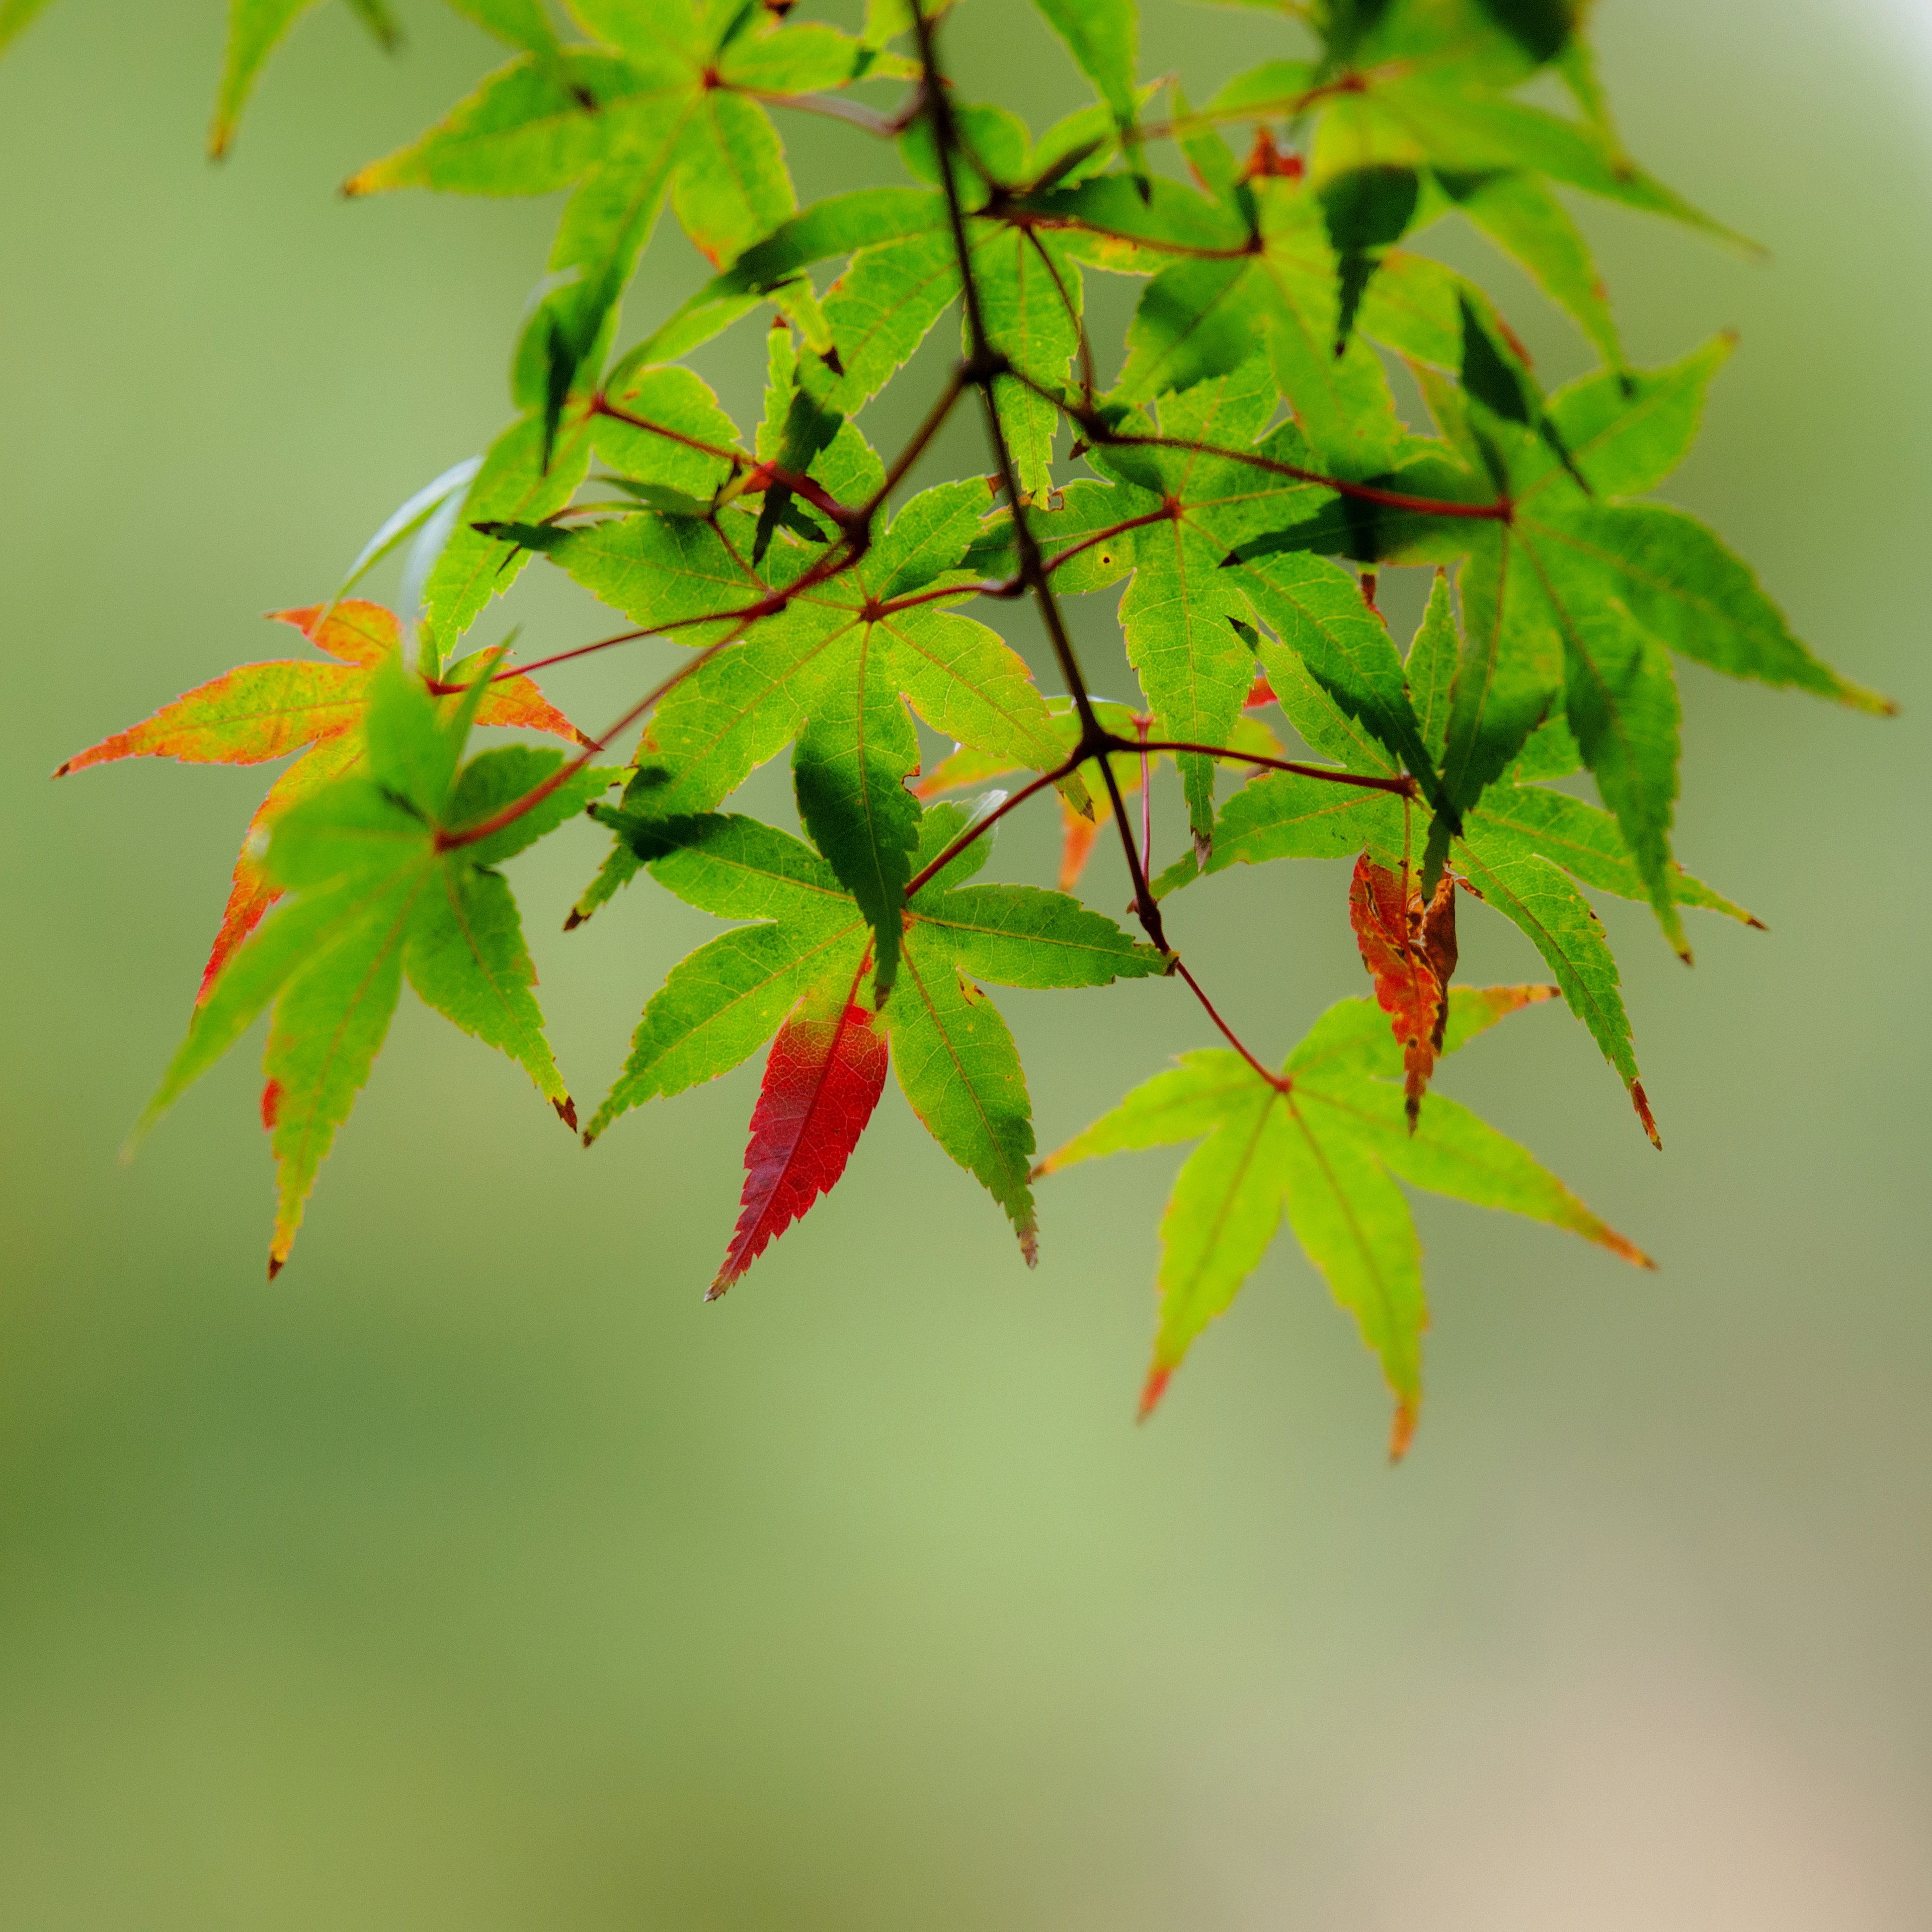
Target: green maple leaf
x=374, y=892
x=1574, y=601
x=1326, y=1143
x=1180, y=612
x=955, y=1059
x=1523, y=850
x=673, y=113
x=834, y=672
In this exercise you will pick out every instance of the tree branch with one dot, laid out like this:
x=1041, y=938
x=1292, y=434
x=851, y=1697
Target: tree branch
x=985, y=365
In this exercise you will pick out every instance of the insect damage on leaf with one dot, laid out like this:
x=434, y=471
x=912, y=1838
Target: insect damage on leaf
x=1229, y=486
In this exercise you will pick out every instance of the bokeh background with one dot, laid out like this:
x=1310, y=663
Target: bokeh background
x=477, y=1576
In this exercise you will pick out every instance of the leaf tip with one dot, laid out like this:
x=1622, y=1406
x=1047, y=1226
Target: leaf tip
x=276, y=1264
x=1402, y=1430
x=1640, y=1100
x=566, y=1112
x=1153, y=1389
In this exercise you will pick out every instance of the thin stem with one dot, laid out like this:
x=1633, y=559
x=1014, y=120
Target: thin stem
x=1498, y=512
x=1008, y=587
x=1087, y=379
x=1163, y=515
x=1404, y=787
x=440, y=689
x=1141, y=725
x=1279, y=1081
x=984, y=364
x=1097, y=432
x=449, y=842
x=758, y=475
x=935, y=421
x=855, y=112
x=828, y=565
x=992, y=818
x=1017, y=214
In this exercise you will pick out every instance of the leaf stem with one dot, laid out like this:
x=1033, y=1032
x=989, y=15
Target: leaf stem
x=984, y=364
x=757, y=476
x=1099, y=433
x=1404, y=787
x=935, y=421
x=992, y=818
x=449, y=842
x=438, y=689
x=1280, y=1082
x=1141, y=728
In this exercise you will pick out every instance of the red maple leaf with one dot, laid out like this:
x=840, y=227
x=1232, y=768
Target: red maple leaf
x=823, y=1078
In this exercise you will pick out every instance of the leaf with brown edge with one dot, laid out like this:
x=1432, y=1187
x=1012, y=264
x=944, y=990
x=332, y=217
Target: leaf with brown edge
x=823, y=1078
x=1409, y=949
x=257, y=713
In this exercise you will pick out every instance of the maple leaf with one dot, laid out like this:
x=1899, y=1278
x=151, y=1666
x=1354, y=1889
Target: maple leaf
x=1182, y=613
x=823, y=1077
x=1523, y=850
x=834, y=672
x=674, y=112
x=260, y=712
x=1325, y=1141
x=955, y=1061
x=386, y=879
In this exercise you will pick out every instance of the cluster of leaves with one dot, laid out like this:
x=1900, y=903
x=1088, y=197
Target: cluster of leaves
x=1246, y=479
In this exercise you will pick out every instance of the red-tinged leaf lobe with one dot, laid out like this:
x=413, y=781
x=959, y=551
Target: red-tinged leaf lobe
x=249, y=892
x=1401, y=1429
x=1153, y=1389
x=517, y=700
x=271, y=1105
x=1260, y=693
x=823, y=1077
x=1077, y=844
x=244, y=717
x=1410, y=952
x=354, y=630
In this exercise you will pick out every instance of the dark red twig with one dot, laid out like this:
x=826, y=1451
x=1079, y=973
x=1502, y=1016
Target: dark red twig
x=440, y=689
x=1279, y=1081
x=1141, y=725
x=1404, y=787
x=984, y=365
x=991, y=819
x=757, y=476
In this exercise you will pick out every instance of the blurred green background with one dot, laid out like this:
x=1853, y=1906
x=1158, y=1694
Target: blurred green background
x=477, y=1576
